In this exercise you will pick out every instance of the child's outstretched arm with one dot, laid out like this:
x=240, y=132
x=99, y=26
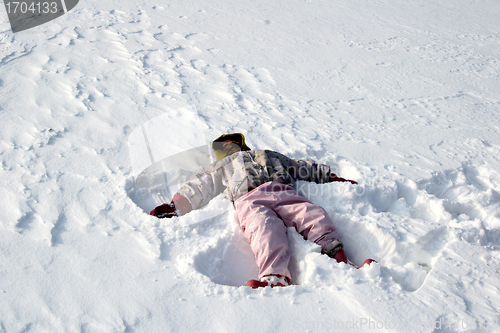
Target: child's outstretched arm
x=303, y=169
x=195, y=193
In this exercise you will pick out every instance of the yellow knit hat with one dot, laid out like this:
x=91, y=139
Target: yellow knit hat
x=217, y=144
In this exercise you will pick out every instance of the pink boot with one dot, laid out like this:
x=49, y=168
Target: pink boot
x=269, y=281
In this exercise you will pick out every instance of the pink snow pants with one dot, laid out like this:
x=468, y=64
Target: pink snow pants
x=267, y=211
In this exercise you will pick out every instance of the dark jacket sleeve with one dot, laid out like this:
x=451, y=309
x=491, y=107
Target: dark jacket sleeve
x=283, y=167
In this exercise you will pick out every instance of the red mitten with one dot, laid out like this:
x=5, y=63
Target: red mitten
x=179, y=206
x=341, y=257
x=165, y=210
x=334, y=178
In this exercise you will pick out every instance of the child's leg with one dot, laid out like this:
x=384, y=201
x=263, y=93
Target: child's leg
x=265, y=232
x=310, y=220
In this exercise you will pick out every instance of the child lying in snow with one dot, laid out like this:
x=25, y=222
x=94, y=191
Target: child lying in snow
x=259, y=183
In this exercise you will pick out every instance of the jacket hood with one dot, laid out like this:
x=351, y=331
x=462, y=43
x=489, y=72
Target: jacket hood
x=217, y=144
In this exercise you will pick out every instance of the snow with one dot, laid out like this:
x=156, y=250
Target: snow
x=401, y=96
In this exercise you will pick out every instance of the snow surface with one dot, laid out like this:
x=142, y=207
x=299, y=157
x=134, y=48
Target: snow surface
x=402, y=96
